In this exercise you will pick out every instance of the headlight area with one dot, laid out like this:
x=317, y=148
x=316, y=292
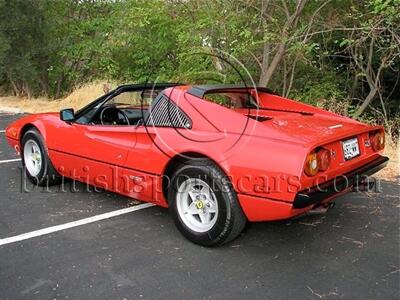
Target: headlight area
x=317, y=160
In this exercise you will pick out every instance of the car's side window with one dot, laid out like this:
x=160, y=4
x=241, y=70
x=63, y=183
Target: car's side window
x=87, y=115
x=232, y=99
x=128, y=99
x=124, y=108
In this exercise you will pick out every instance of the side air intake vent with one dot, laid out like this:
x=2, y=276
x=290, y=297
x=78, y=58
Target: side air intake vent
x=259, y=118
x=165, y=113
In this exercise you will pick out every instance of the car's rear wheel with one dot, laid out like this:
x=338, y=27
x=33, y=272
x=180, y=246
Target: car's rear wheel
x=38, y=167
x=204, y=204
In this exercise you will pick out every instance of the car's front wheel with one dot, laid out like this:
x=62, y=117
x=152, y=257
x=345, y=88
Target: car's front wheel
x=38, y=167
x=204, y=204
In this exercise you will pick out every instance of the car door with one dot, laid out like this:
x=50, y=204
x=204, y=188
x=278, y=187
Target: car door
x=93, y=151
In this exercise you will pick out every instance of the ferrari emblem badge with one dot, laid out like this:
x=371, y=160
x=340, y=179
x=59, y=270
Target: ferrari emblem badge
x=199, y=204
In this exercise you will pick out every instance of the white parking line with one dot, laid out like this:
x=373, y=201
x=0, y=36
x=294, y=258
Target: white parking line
x=9, y=160
x=52, y=229
x=2, y=131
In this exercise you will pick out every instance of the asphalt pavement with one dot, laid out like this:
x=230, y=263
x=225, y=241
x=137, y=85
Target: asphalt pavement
x=350, y=252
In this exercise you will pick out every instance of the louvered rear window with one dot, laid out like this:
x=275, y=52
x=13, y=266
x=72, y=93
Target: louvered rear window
x=166, y=113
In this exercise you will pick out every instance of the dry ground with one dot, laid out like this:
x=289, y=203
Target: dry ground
x=77, y=99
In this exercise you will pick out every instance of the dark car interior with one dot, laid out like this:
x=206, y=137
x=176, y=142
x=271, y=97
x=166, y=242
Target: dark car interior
x=125, y=107
x=117, y=115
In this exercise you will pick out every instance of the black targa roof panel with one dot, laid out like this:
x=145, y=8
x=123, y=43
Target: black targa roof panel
x=201, y=90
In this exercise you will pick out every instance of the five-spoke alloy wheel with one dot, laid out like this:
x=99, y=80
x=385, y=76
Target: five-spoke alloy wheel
x=38, y=167
x=204, y=204
x=32, y=157
x=197, y=205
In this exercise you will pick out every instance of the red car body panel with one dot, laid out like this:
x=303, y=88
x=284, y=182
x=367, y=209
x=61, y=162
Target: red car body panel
x=264, y=160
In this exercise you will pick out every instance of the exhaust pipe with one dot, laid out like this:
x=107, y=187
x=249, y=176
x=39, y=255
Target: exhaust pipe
x=321, y=209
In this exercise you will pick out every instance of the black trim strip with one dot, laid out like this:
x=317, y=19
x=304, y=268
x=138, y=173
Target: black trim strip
x=266, y=198
x=337, y=185
x=200, y=90
x=107, y=163
x=304, y=113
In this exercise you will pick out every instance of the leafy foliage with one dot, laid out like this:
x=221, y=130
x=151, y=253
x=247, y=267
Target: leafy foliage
x=342, y=55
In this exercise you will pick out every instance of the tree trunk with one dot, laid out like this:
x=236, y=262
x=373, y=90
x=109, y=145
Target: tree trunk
x=45, y=79
x=59, y=84
x=292, y=22
x=366, y=102
x=15, y=88
x=266, y=75
x=265, y=62
x=26, y=90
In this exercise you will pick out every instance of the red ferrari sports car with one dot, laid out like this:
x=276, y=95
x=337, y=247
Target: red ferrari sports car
x=217, y=156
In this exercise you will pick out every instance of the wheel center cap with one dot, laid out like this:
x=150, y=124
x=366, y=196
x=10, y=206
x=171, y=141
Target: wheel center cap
x=199, y=204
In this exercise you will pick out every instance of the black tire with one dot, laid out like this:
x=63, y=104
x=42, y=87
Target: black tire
x=48, y=175
x=230, y=220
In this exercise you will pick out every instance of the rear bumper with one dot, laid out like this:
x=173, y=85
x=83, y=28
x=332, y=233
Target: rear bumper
x=336, y=186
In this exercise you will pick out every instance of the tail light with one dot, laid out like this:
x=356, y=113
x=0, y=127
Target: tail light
x=377, y=140
x=317, y=161
x=312, y=164
x=324, y=158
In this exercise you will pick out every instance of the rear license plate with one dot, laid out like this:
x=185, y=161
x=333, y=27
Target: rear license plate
x=350, y=148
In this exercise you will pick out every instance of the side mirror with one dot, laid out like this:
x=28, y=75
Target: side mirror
x=67, y=115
